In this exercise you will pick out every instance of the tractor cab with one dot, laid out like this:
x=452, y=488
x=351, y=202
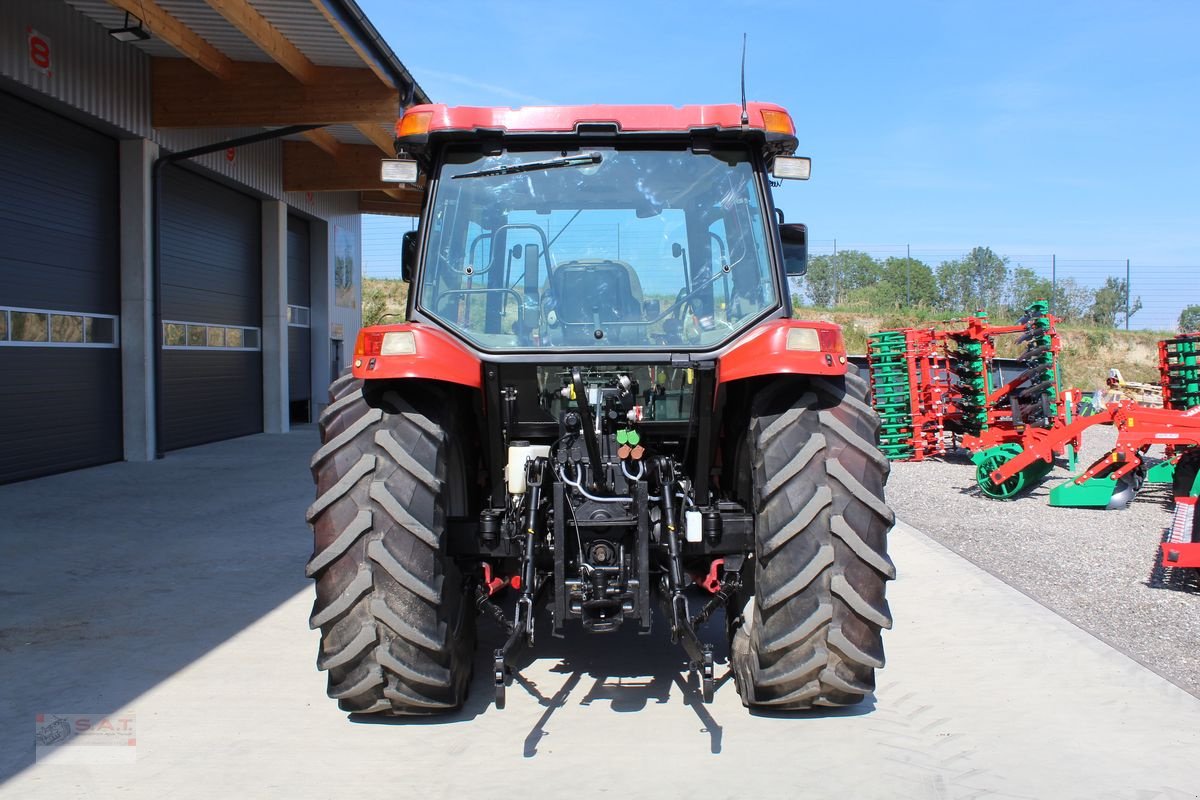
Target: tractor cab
x=596, y=231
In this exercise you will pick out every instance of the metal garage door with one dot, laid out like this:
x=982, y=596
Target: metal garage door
x=212, y=311
x=60, y=369
x=299, y=339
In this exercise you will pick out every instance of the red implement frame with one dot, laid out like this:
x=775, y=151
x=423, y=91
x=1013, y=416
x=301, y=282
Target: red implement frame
x=1179, y=550
x=1137, y=427
x=929, y=388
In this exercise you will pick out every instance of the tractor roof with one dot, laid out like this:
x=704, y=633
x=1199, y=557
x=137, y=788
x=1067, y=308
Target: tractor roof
x=766, y=120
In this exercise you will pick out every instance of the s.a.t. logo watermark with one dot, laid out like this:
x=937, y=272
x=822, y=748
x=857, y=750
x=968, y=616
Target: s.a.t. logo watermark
x=86, y=738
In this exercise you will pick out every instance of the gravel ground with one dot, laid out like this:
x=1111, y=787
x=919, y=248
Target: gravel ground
x=1096, y=568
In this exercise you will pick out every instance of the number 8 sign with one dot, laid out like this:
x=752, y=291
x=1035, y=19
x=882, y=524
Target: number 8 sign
x=39, y=51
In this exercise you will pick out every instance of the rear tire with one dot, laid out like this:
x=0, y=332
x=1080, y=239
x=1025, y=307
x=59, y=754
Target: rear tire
x=397, y=632
x=812, y=633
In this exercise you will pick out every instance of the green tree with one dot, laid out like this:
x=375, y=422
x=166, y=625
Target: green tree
x=1072, y=300
x=1108, y=304
x=1028, y=286
x=821, y=280
x=832, y=279
x=978, y=280
x=1189, y=319
x=857, y=270
x=900, y=283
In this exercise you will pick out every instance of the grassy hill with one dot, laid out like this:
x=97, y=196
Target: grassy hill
x=1088, y=352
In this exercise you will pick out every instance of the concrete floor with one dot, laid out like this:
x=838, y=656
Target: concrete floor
x=175, y=591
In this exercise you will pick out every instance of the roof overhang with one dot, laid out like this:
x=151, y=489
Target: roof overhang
x=275, y=63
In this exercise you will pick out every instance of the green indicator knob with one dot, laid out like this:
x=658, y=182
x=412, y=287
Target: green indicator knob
x=634, y=438
x=622, y=436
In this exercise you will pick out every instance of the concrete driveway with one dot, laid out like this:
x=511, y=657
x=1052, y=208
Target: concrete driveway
x=172, y=594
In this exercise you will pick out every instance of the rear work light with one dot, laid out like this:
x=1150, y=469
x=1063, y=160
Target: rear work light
x=803, y=339
x=397, y=170
x=398, y=343
x=791, y=167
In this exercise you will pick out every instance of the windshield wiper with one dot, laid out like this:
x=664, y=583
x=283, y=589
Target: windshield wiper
x=581, y=160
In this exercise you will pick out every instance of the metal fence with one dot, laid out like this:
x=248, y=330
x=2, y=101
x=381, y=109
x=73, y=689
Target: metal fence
x=1153, y=295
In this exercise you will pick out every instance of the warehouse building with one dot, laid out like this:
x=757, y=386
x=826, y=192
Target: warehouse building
x=181, y=189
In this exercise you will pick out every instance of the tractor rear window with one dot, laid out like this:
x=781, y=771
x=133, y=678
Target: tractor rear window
x=602, y=247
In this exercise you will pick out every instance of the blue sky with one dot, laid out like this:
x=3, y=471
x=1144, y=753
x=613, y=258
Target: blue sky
x=1032, y=128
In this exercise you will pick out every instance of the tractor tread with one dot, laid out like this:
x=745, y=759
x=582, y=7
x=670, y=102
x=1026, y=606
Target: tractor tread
x=431, y=591
x=365, y=637
x=357, y=527
x=795, y=525
x=344, y=601
x=345, y=483
x=388, y=442
x=338, y=442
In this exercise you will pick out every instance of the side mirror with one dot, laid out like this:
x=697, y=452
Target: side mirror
x=651, y=309
x=408, y=255
x=794, y=236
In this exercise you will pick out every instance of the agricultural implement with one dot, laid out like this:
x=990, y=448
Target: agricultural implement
x=938, y=388
x=601, y=398
x=1114, y=479
x=1013, y=467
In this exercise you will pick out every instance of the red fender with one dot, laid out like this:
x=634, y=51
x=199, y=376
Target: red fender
x=437, y=356
x=764, y=351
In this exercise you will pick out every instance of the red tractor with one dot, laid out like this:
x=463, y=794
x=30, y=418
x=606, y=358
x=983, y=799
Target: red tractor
x=600, y=396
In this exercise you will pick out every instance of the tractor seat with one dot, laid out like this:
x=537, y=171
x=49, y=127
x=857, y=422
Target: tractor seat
x=596, y=288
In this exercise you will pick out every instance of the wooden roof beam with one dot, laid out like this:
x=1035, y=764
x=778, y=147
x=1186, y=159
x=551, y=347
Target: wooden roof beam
x=258, y=29
x=264, y=95
x=324, y=140
x=378, y=137
x=179, y=36
x=379, y=203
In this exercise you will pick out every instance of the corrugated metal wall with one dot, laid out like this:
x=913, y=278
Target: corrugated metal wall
x=257, y=166
x=89, y=70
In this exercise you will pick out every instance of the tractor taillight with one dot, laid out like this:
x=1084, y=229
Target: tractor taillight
x=370, y=343
x=831, y=340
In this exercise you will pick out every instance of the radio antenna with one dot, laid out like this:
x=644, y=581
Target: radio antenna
x=745, y=114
